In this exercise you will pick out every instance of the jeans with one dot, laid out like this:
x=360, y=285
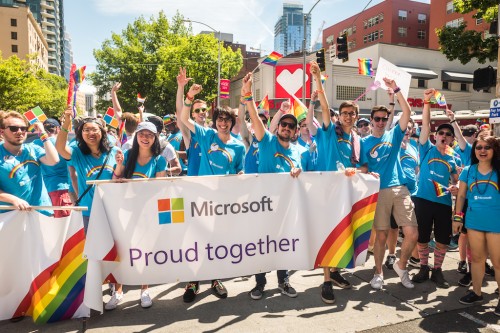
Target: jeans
x=282, y=277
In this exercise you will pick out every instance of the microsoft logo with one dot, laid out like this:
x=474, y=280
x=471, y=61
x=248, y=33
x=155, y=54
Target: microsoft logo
x=171, y=210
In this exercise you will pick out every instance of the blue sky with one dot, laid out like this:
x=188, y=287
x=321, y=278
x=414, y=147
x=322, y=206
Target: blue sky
x=251, y=22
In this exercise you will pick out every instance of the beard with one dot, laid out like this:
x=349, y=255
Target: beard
x=282, y=138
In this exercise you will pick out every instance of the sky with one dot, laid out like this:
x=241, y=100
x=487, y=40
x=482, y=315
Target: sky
x=251, y=22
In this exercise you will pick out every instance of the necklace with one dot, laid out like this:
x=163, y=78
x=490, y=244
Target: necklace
x=485, y=185
x=98, y=154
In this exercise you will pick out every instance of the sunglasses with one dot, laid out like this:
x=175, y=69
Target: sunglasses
x=14, y=129
x=286, y=124
x=445, y=133
x=383, y=119
x=363, y=125
x=198, y=110
x=483, y=147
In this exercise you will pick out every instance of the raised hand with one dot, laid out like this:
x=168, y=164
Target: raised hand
x=390, y=83
x=314, y=69
x=450, y=114
x=286, y=106
x=119, y=157
x=182, y=78
x=116, y=87
x=247, y=84
x=314, y=96
x=195, y=89
x=428, y=93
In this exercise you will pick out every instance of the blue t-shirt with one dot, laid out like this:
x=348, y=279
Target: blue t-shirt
x=217, y=157
x=409, y=162
x=465, y=155
x=306, y=158
x=22, y=176
x=175, y=140
x=194, y=157
x=382, y=156
x=149, y=170
x=483, y=198
x=274, y=158
x=237, y=136
x=312, y=157
x=437, y=167
x=332, y=149
x=87, y=168
x=55, y=177
x=252, y=157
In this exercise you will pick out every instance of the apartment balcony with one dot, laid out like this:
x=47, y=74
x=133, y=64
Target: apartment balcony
x=45, y=5
x=47, y=14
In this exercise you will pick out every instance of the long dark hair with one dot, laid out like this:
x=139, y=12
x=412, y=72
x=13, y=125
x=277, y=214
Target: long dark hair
x=488, y=137
x=104, y=145
x=133, y=154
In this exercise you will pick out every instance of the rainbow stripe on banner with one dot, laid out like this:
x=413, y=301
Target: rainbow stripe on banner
x=110, y=119
x=349, y=239
x=365, y=66
x=35, y=114
x=441, y=190
x=272, y=59
x=57, y=292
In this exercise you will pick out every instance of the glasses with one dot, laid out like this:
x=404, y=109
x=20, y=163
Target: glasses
x=363, y=125
x=303, y=126
x=224, y=119
x=383, y=119
x=198, y=110
x=286, y=124
x=350, y=114
x=483, y=147
x=91, y=130
x=14, y=129
x=445, y=133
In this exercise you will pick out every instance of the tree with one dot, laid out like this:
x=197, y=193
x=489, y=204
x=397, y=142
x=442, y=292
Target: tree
x=465, y=45
x=24, y=85
x=146, y=58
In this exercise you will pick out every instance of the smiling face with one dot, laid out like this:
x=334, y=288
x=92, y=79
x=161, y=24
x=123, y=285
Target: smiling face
x=14, y=131
x=91, y=133
x=379, y=121
x=145, y=139
x=484, y=151
x=348, y=116
x=199, y=113
x=444, y=137
x=286, y=130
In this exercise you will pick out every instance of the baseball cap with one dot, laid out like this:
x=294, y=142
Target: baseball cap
x=289, y=116
x=169, y=119
x=157, y=121
x=146, y=125
x=51, y=122
x=469, y=130
x=264, y=113
x=447, y=126
x=362, y=120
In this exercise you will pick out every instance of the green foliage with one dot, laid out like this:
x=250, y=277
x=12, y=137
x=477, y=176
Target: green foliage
x=24, y=85
x=146, y=57
x=465, y=45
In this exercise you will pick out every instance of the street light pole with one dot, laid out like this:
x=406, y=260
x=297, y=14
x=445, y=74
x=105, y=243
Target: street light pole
x=218, y=57
x=304, y=55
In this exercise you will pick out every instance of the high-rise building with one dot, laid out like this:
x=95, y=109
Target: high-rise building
x=68, y=55
x=289, y=30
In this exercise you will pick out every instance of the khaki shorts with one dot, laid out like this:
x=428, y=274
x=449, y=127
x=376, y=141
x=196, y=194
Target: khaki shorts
x=396, y=201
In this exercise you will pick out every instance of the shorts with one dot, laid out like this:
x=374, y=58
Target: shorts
x=432, y=214
x=394, y=225
x=60, y=198
x=394, y=200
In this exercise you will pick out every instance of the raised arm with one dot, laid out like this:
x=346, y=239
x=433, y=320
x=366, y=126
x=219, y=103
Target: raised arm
x=62, y=137
x=458, y=132
x=244, y=132
x=313, y=130
x=325, y=108
x=186, y=108
x=390, y=92
x=51, y=157
x=114, y=99
x=425, y=129
x=405, y=107
x=258, y=126
x=284, y=109
x=182, y=80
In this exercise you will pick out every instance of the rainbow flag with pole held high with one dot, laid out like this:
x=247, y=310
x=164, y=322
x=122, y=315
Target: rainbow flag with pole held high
x=365, y=66
x=439, y=98
x=272, y=59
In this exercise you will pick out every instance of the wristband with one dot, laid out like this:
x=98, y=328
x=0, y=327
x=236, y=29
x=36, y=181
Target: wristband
x=397, y=90
x=65, y=130
x=453, y=121
x=114, y=174
x=187, y=104
x=426, y=101
x=44, y=137
x=458, y=219
x=191, y=98
x=461, y=214
x=392, y=104
x=320, y=91
x=248, y=97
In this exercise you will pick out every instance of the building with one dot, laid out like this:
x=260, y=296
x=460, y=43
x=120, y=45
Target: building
x=289, y=29
x=400, y=22
x=89, y=104
x=444, y=14
x=21, y=35
x=68, y=55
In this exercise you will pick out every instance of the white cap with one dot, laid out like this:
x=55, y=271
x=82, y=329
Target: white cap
x=146, y=125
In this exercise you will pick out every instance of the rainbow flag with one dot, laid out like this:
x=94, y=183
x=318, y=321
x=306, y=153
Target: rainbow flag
x=272, y=59
x=299, y=109
x=140, y=99
x=349, y=239
x=121, y=132
x=439, y=98
x=79, y=75
x=264, y=105
x=323, y=78
x=365, y=66
x=35, y=114
x=441, y=190
x=109, y=118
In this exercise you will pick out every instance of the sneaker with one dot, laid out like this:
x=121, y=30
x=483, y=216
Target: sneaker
x=114, y=301
x=146, y=301
x=327, y=293
x=422, y=275
x=497, y=309
x=414, y=262
x=496, y=291
x=370, y=249
x=377, y=281
x=389, y=262
x=489, y=270
x=111, y=289
x=403, y=275
x=462, y=267
x=466, y=281
x=287, y=289
x=257, y=292
x=339, y=280
x=192, y=288
x=218, y=289
x=438, y=278
x=471, y=298
x=453, y=245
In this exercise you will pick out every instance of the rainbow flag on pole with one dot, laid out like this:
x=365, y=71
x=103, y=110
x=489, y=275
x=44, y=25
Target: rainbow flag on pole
x=35, y=114
x=121, y=133
x=441, y=190
x=264, y=104
x=299, y=109
x=272, y=59
x=365, y=66
x=439, y=98
x=110, y=119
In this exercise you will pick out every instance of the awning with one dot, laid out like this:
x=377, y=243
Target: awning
x=420, y=73
x=456, y=77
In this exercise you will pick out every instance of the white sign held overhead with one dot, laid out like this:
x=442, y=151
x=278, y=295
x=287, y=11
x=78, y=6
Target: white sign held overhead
x=391, y=71
x=495, y=111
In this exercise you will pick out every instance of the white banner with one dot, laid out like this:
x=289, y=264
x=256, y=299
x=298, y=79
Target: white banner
x=202, y=228
x=42, y=266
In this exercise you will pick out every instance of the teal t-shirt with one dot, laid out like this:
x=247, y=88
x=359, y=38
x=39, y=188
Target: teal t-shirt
x=55, y=177
x=465, y=155
x=149, y=170
x=409, y=162
x=332, y=149
x=194, y=157
x=252, y=157
x=274, y=158
x=175, y=140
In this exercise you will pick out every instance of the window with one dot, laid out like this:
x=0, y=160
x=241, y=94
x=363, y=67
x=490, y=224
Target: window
x=403, y=15
x=365, y=39
x=463, y=87
x=381, y=17
x=479, y=21
x=381, y=34
x=349, y=93
x=455, y=23
x=422, y=18
x=421, y=34
x=421, y=83
x=13, y=35
x=402, y=31
x=449, y=7
x=353, y=29
x=446, y=86
x=13, y=22
x=365, y=24
x=14, y=48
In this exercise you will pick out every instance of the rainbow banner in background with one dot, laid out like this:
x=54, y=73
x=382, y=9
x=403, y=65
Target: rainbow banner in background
x=349, y=239
x=35, y=114
x=110, y=119
x=440, y=190
x=272, y=59
x=224, y=88
x=365, y=66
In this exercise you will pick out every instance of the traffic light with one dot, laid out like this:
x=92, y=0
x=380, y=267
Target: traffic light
x=484, y=78
x=320, y=59
x=342, y=48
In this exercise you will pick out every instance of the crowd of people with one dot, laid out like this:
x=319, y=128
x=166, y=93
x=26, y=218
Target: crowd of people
x=419, y=178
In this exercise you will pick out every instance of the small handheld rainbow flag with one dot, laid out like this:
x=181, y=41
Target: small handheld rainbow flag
x=323, y=78
x=440, y=100
x=299, y=109
x=35, y=114
x=264, y=104
x=441, y=190
x=365, y=66
x=110, y=119
x=272, y=59
x=140, y=99
x=121, y=133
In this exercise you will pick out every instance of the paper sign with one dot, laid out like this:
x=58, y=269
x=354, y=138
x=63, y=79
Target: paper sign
x=391, y=71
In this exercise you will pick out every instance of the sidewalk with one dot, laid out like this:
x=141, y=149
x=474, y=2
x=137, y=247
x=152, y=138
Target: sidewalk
x=357, y=309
